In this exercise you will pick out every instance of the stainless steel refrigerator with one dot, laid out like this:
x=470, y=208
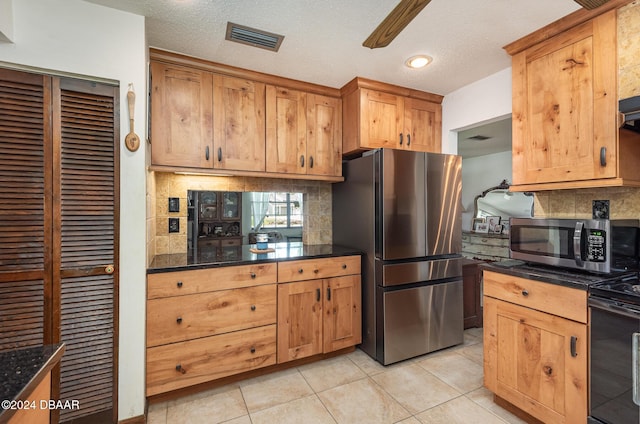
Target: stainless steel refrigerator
x=403, y=209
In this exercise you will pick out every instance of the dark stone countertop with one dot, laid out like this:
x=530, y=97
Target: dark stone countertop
x=565, y=277
x=241, y=255
x=21, y=370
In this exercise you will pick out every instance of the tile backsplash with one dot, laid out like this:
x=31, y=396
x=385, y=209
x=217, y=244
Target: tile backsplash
x=161, y=186
x=624, y=202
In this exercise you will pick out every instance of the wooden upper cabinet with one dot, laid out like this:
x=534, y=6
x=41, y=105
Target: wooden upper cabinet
x=303, y=133
x=239, y=124
x=377, y=115
x=565, y=103
x=181, y=116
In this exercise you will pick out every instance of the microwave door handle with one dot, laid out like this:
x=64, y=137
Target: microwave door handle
x=577, y=237
x=635, y=367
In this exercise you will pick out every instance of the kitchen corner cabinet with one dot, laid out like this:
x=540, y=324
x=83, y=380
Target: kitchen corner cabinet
x=204, y=120
x=206, y=324
x=304, y=133
x=319, y=306
x=377, y=115
x=535, y=346
x=565, y=111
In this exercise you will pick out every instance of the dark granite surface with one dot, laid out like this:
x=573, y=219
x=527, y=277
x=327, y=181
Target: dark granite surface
x=241, y=255
x=555, y=275
x=22, y=369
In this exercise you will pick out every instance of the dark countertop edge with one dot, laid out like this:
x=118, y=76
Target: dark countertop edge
x=572, y=280
x=54, y=359
x=337, y=251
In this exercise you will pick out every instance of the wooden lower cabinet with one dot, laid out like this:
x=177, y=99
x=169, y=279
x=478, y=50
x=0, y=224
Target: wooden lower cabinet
x=318, y=316
x=533, y=359
x=184, y=364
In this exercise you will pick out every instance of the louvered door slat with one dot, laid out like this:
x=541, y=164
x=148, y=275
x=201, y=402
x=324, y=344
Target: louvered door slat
x=87, y=207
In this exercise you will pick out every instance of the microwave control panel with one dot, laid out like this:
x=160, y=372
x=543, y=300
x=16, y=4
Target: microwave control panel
x=596, y=245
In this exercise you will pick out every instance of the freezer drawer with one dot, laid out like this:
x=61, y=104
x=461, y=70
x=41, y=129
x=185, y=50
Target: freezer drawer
x=397, y=274
x=420, y=320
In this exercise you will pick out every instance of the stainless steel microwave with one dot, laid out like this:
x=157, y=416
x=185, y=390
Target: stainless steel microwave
x=595, y=245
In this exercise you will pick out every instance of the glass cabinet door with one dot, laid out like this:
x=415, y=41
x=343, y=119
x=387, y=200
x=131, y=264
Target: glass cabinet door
x=231, y=205
x=208, y=205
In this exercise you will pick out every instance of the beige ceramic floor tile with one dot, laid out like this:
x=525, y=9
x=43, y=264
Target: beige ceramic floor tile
x=484, y=398
x=456, y=370
x=157, y=414
x=208, y=407
x=307, y=410
x=362, y=401
x=323, y=375
x=474, y=352
x=415, y=388
x=458, y=411
x=274, y=389
x=410, y=420
x=240, y=420
x=365, y=362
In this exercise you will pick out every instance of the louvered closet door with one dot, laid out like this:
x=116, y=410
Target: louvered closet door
x=85, y=216
x=25, y=197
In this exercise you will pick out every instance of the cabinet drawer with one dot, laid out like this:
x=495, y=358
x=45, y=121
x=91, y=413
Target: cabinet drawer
x=546, y=297
x=230, y=242
x=309, y=269
x=181, y=318
x=210, y=279
x=179, y=365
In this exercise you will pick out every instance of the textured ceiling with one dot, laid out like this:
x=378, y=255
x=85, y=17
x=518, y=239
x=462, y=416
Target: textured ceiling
x=323, y=38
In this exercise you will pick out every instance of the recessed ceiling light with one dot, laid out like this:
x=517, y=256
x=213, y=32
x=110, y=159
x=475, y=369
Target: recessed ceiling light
x=418, y=61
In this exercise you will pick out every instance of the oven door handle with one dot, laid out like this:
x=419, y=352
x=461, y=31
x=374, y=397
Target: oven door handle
x=613, y=307
x=577, y=238
x=635, y=337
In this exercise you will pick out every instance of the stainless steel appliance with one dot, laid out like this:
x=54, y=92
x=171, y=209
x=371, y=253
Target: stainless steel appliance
x=594, y=245
x=615, y=351
x=403, y=210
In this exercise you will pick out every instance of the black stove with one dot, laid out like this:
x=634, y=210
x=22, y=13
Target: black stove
x=624, y=288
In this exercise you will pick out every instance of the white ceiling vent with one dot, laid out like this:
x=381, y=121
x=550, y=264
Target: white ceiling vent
x=253, y=37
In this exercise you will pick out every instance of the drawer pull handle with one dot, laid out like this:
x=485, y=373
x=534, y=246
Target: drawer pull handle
x=401, y=139
x=317, y=295
x=408, y=139
x=574, y=350
x=328, y=293
x=525, y=293
x=180, y=369
x=253, y=307
x=253, y=275
x=179, y=320
x=206, y=153
x=300, y=271
x=344, y=266
x=179, y=284
x=219, y=154
x=253, y=349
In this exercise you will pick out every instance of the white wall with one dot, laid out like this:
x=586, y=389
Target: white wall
x=483, y=101
x=82, y=38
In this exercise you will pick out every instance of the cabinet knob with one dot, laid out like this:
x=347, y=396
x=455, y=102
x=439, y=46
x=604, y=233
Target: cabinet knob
x=300, y=271
x=179, y=320
x=179, y=284
x=253, y=307
x=180, y=369
x=344, y=266
x=525, y=293
x=253, y=275
x=253, y=349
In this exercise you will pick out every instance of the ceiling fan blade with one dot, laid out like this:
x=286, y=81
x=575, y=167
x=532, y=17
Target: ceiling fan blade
x=591, y=4
x=394, y=23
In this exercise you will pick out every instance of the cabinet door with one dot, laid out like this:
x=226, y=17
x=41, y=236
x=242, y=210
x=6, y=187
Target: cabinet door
x=565, y=104
x=381, y=119
x=287, y=131
x=422, y=126
x=342, y=315
x=299, y=320
x=231, y=201
x=181, y=116
x=239, y=124
x=536, y=361
x=324, y=135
